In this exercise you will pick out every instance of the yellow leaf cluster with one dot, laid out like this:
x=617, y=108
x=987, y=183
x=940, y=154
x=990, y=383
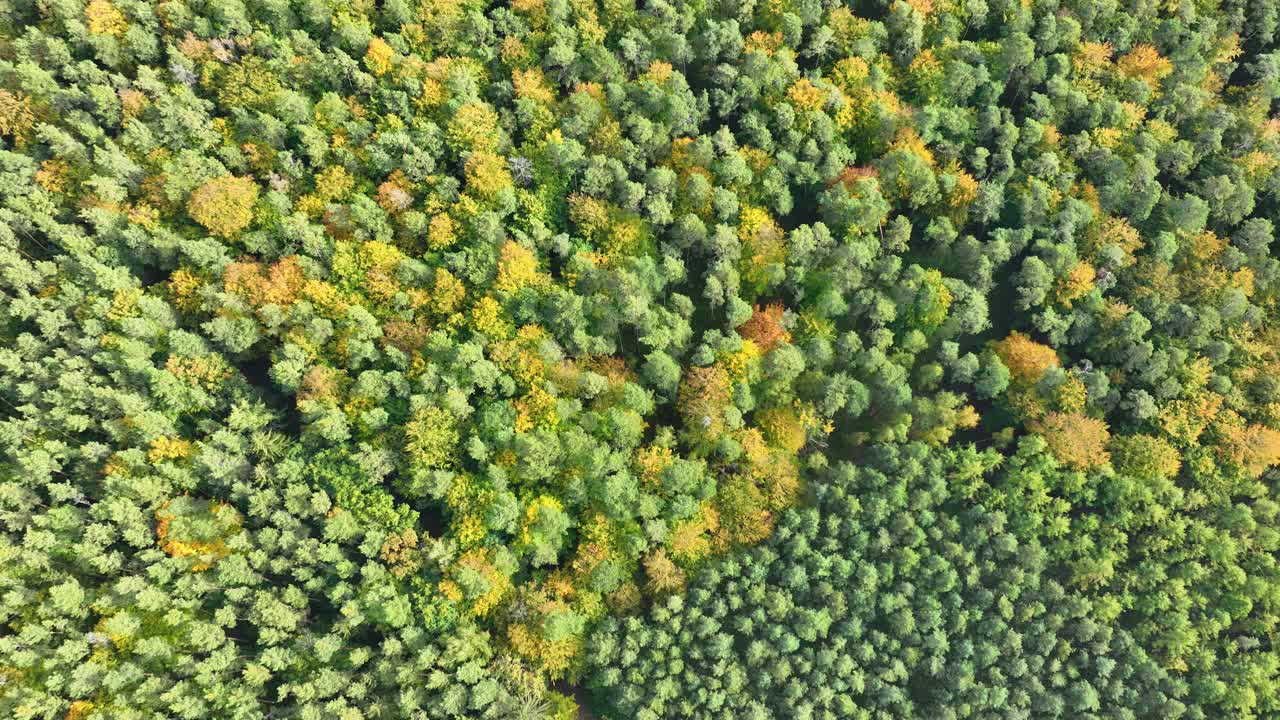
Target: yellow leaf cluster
x=1185, y=419
x=488, y=318
x=659, y=72
x=908, y=140
x=103, y=18
x=1144, y=63
x=441, y=232
x=763, y=42
x=52, y=175
x=480, y=560
x=1026, y=359
x=168, y=448
x=693, y=539
x=650, y=461
x=553, y=657
x=224, y=205
x=123, y=303
x=740, y=365
x=763, y=244
x=379, y=57
x=536, y=409
x=447, y=293
x=325, y=297
x=531, y=513
x=1091, y=58
x=1075, y=284
x=205, y=372
x=1075, y=439
x=487, y=174
x=280, y=284
x=183, y=286
x=474, y=127
x=806, y=96
x=518, y=268
x=851, y=75
x=532, y=84
x=205, y=550
x=965, y=190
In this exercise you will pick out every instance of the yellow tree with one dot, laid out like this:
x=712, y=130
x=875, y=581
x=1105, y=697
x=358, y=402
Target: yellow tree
x=1026, y=359
x=224, y=205
x=1075, y=439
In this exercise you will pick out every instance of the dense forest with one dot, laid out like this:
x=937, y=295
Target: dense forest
x=639, y=359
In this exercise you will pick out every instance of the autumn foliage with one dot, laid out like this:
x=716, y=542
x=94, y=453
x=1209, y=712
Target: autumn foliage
x=224, y=205
x=544, y=359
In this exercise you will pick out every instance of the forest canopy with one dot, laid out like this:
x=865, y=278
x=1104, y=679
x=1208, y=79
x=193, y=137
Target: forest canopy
x=639, y=359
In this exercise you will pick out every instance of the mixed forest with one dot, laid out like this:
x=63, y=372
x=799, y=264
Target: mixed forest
x=639, y=359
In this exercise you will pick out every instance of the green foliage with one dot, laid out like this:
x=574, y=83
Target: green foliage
x=890, y=596
x=357, y=360
x=344, y=478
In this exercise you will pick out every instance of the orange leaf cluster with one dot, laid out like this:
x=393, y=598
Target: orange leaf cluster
x=765, y=328
x=1075, y=439
x=1026, y=359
